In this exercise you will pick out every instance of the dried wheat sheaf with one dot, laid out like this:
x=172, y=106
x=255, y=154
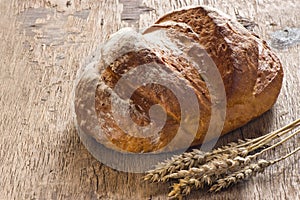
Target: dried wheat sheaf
x=221, y=167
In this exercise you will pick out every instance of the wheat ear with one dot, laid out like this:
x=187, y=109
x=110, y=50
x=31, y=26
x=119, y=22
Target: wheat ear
x=188, y=160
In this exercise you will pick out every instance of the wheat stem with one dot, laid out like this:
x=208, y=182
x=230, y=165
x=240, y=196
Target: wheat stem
x=286, y=156
x=246, y=173
x=278, y=133
x=273, y=134
x=275, y=145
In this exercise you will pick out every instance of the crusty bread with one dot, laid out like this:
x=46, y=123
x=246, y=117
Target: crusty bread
x=251, y=73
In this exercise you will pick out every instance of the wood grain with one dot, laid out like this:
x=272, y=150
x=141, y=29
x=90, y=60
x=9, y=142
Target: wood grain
x=42, y=45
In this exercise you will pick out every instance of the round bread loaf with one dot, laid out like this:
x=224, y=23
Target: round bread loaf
x=251, y=73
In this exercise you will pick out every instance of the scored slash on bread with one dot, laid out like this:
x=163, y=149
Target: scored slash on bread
x=251, y=73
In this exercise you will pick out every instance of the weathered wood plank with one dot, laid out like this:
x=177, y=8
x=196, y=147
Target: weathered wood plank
x=42, y=45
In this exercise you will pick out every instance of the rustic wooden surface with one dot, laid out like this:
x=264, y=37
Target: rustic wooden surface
x=42, y=45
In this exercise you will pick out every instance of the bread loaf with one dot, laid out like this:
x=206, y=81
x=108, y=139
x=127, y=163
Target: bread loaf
x=251, y=73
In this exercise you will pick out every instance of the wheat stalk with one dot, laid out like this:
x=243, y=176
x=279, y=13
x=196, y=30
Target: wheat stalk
x=221, y=167
x=163, y=171
x=196, y=158
x=207, y=174
x=246, y=173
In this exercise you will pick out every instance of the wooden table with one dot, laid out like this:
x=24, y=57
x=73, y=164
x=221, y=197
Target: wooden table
x=42, y=45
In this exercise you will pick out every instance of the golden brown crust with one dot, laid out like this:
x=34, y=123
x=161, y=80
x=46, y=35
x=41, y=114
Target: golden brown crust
x=251, y=73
